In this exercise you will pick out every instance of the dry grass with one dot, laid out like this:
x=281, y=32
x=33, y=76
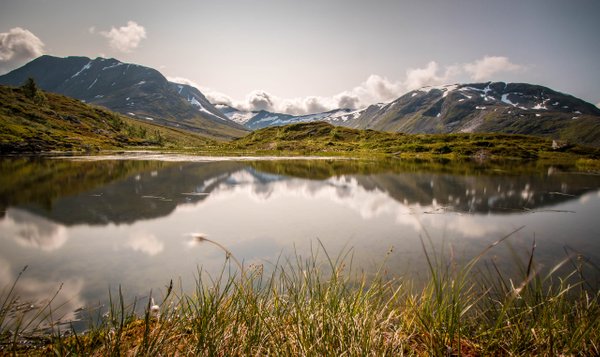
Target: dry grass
x=320, y=306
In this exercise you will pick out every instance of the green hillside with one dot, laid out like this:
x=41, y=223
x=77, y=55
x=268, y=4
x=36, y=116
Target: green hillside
x=324, y=138
x=36, y=121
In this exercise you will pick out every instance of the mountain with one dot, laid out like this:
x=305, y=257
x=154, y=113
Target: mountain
x=495, y=107
x=261, y=119
x=140, y=92
x=34, y=121
x=515, y=108
x=238, y=116
x=198, y=100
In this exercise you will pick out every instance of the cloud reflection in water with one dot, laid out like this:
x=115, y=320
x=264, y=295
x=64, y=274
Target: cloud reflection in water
x=33, y=231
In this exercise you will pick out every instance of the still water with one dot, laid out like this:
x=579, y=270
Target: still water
x=92, y=225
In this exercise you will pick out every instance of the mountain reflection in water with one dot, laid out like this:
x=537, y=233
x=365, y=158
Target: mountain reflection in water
x=95, y=224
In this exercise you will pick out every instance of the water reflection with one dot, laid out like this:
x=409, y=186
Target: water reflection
x=115, y=192
x=129, y=222
x=30, y=230
x=65, y=295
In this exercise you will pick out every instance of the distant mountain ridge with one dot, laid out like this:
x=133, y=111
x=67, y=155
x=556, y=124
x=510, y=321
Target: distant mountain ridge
x=262, y=118
x=140, y=92
x=495, y=107
x=145, y=94
x=514, y=108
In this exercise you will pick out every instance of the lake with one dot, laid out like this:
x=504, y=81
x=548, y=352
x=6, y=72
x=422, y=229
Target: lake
x=97, y=223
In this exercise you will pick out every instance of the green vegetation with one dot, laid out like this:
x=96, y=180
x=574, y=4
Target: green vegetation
x=325, y=139
x=320, y=306
x=33, y=121
x=31, y=91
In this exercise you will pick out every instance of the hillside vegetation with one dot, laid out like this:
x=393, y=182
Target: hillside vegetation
x=36, y=121
x=319, y=137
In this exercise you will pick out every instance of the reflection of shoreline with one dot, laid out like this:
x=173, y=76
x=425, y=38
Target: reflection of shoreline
x=41, y=181
x=483, y=194
x=145, y=195
x=157, y=193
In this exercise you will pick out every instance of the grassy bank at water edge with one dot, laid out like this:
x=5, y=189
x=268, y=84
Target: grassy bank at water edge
x=321, y=306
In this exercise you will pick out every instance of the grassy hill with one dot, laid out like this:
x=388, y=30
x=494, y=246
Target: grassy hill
x=40, y=121
x=324, y=138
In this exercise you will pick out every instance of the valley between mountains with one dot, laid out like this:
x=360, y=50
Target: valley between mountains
x=98, y=104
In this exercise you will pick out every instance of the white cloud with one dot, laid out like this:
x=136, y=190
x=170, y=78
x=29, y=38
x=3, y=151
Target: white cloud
x=598, y=104
x=92, y=29
x=260, y=100
x=18, y=46
x=375, y=89
x=420, y=77
x=216, y=97
x=428, y=76
x=125, y=38
x=485, y=68
x=182, y=80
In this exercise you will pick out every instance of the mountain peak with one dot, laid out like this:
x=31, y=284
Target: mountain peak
x=518, y=108
x=138, y=91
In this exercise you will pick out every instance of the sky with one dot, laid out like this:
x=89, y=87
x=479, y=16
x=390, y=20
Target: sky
x=308, y=56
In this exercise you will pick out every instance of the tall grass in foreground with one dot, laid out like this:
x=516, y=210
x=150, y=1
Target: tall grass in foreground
x=304, y=307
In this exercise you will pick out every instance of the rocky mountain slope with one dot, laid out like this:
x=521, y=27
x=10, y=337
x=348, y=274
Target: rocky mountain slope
x=515, y=108
x=140, y=92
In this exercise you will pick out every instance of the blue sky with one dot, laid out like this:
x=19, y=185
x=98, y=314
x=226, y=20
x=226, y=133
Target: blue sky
x=307, y=56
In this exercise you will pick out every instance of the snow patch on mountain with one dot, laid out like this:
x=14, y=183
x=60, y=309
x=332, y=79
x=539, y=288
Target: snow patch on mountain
x=91, y=85
x=194, y=101
x=84, y=68
x=447, y=88
x=506, y=100
x=112, y=66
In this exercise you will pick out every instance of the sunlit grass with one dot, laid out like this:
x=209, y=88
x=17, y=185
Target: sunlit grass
x=322, y=305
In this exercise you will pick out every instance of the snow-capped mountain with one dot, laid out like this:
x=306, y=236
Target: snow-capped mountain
x=518, y=108
x=260, y=119
x=197, y=99
x=238, y=116
x=140, y=92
